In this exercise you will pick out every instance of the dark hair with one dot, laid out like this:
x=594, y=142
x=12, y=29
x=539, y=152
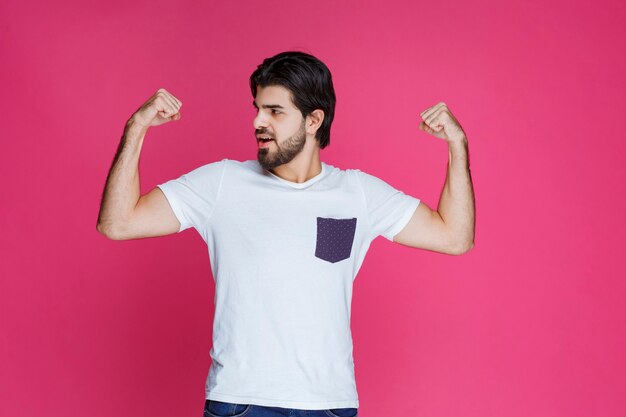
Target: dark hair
x=309, y=81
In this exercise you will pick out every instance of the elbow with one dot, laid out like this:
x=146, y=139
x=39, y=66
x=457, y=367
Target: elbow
x=103, y=225
x=108, y=232
x=469, y=247
x=103, y=231
x=463, y=248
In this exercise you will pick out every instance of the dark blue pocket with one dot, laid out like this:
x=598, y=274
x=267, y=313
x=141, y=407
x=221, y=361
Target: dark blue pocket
x=342, y=412
x=334, y=238
x=213, y=408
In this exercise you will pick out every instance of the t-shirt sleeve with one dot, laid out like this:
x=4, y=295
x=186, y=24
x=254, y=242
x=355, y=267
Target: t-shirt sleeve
x=193, y=195
x=388, y=209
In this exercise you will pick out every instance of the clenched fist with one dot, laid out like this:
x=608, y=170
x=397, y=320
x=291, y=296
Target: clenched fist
x=161, y=108
x=439, y=121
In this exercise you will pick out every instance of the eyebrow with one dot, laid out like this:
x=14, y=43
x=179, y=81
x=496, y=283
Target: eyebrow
x=268, y=106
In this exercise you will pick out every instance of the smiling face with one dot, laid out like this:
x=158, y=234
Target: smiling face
x=278, y=119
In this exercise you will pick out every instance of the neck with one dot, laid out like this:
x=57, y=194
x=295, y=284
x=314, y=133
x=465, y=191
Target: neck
x=302, y=168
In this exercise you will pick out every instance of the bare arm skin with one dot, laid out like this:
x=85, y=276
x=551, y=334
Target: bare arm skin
x=450, y=229
x=456, y=204
x=124, y=213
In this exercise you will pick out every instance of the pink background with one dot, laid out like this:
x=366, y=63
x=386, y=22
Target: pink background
x=531, y=322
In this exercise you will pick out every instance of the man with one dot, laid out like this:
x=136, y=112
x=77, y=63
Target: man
x=286, y=235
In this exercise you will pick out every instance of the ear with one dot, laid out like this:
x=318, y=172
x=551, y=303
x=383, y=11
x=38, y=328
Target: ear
x=314, y=121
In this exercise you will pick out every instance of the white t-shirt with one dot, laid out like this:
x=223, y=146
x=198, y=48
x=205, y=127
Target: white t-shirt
x=284, y=256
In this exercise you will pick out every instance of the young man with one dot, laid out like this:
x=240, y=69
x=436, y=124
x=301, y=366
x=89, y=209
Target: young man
x=286, y=235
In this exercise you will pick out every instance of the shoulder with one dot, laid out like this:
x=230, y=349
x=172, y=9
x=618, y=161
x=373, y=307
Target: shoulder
x=208, y=172
x=211, y=167
x=363, y=177
x=334, y=170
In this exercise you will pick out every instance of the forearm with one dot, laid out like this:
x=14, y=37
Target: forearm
x=122, y=189
x=456, y=204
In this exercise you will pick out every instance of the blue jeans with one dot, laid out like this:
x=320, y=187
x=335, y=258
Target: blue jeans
x=214, y=408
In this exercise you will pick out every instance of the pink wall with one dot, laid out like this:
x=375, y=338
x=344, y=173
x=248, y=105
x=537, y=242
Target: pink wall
x=531, y=322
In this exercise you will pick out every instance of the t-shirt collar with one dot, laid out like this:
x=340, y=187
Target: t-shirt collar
x=305, y=184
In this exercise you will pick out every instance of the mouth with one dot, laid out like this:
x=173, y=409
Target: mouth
x=264, y=141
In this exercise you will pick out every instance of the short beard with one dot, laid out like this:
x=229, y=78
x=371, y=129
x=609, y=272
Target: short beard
x=288, y=150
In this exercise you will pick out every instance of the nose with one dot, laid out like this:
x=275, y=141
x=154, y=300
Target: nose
x=259, y=121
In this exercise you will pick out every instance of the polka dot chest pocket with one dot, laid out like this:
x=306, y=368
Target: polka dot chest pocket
x=334, y=238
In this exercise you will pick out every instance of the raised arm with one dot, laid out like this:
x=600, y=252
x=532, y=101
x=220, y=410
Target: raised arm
x=450, y=229
x=124, y=214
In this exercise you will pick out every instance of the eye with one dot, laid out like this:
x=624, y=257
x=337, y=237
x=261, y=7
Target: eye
x=275, y=111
